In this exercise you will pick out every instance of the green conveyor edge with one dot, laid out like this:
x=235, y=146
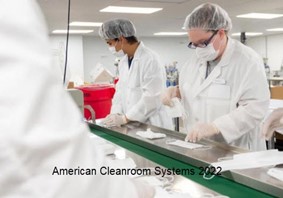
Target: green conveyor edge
x=219, y=184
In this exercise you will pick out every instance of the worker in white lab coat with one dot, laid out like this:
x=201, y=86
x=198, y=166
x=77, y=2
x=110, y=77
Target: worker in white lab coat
x=223, y=86
x=141, y=78
x=41, y=127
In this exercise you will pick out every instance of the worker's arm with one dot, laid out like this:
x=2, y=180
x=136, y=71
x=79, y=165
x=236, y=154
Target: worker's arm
x=153, y=82
x=252, y=105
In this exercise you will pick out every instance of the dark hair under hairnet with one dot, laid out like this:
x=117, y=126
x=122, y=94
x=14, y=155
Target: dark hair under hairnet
x=116, y=28
x=208, y=16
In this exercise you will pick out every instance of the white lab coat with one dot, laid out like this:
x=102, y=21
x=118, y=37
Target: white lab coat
x=40, y=125
x=235, y=96
x=138, y=89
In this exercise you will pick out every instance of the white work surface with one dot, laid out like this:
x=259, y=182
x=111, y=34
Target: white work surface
x=274, y=104
x=275, y=78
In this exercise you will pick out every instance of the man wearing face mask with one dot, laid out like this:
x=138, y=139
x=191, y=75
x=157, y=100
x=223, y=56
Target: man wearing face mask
x=141, y=78
x=223, y=86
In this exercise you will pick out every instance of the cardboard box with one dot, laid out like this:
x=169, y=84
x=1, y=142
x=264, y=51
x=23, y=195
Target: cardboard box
x=276, y=92
x=101, y=75
x=71, y=85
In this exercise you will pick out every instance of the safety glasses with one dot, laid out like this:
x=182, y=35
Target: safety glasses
x=204, y=44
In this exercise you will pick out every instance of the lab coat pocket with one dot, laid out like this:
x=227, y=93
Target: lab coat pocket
x=218, y=102
x=218, y=91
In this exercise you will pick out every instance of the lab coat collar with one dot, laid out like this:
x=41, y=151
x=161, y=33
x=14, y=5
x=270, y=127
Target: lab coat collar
x=226, y=57
x=137, y=55
x=138, y=52
x=211, y=77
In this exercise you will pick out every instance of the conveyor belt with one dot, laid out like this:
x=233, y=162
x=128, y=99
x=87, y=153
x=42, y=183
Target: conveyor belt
x=172, y=183
x=256, y=182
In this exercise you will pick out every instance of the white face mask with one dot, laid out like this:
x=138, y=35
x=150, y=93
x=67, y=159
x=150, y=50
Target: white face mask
x=208, y=53
x=120, y=53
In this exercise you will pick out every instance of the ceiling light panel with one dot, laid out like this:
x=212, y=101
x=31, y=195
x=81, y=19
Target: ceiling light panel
x=275, y=30
x=248, y=34
x=72, y=31
x=260, y=16
x=85, y=24
x=161, y=1
x=132, y=10
x=170, y=33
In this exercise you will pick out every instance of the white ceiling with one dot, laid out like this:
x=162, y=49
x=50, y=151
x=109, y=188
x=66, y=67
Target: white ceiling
x=171, y=18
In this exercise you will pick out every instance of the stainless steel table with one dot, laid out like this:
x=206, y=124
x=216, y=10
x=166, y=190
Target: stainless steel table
x=179, y=183
x=256, y=179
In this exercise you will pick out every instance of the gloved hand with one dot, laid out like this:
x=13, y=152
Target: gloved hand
x=201, y=130
x=115, y=120
x=168, y=94
x=273, y=122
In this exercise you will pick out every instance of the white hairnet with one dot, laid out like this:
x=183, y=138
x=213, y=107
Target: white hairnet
x=208, y=16
x=116, y=28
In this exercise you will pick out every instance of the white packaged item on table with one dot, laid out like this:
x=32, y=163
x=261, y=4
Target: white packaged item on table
x=276, y=173
x=150, y=180
x=184, y=144
x=150, y=135
x=121, y=163
x=251, y=160
x=107, y=149
x=162, y=193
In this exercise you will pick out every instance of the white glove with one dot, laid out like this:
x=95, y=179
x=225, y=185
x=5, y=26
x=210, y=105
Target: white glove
x=168, y=94
x=114, y=120
x=201, y=130
x=273, y=122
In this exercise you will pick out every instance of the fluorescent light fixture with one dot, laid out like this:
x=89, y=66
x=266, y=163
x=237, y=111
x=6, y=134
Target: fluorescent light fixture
x=260, y=16
x=134, y=10
x=170, y=33
x=72, y=31
x=275, y=30
x=85, y=24
x=248, y=34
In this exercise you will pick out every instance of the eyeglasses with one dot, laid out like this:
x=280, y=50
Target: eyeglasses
x=204, y=44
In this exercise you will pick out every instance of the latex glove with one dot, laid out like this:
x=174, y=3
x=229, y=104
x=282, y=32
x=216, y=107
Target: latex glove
x=168, y=94
x=273, y=122
x=115, y=120
x=201, y=130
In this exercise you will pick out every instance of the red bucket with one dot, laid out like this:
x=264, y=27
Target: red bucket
x=99, y=97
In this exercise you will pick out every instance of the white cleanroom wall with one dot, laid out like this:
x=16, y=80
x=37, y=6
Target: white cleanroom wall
x=96, y=52
x=85, y=52
x=169, y=49
x=270, y=47
x=275, y=51
x=75, y=56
